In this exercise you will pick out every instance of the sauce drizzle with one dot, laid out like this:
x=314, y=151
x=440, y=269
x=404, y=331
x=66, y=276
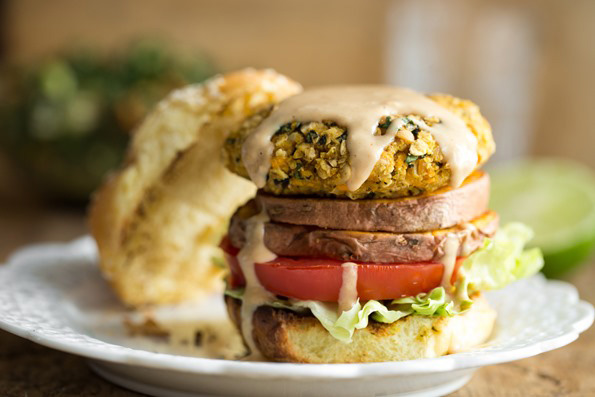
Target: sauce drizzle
x=348, y=291
x=254, y=251
x=449, y=259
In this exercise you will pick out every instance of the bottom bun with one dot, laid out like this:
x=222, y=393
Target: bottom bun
x=283, y=335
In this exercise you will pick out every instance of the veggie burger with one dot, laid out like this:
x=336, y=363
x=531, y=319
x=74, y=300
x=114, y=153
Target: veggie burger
x=370, y=238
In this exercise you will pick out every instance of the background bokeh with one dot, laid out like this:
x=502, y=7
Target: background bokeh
x=528, y=63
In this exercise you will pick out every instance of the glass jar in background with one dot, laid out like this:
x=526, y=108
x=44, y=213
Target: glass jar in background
x=484, y=51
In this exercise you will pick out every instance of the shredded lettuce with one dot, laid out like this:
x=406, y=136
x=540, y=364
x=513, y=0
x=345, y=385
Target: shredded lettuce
x=500, y=261
x=342, y=326
x=236, y=293
x=435, y=303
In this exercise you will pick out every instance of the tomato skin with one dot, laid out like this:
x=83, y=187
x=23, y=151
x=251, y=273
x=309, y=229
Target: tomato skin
x=227, y=248
x=399, y=280
x=316, y=279
x=235, y=278
x=321, y=279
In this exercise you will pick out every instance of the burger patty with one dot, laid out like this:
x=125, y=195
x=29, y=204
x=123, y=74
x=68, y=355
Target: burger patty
x=372, y=247
x=312, y=158
x=439, y=210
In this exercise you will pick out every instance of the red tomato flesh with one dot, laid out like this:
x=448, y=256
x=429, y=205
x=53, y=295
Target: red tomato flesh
x=321, y=279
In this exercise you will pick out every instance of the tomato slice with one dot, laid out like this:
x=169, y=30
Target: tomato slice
x=321, y=279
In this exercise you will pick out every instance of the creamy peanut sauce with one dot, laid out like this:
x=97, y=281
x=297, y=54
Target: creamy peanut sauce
x=359, y=109
x=469, y=233
x=348, y=291
x=449, y=259
x=254, y=251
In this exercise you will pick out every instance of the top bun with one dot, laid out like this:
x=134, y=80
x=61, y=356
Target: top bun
x=158, y=220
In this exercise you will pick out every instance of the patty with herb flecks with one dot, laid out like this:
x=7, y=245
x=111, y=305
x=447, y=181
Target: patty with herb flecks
x=311, y=158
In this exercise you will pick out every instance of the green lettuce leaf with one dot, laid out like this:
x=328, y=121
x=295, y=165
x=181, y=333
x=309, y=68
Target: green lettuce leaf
x=236, y=293
x=500, y=261
x=342, y=326
x=435, y=303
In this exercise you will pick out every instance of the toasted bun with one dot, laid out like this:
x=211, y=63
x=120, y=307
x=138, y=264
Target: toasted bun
x=282, y=335
x=158, y=220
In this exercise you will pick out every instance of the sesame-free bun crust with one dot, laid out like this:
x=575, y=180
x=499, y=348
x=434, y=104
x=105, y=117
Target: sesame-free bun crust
x=286, y=336
x=158, y=220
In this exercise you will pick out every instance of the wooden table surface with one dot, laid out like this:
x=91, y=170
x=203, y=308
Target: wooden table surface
x=27, y=369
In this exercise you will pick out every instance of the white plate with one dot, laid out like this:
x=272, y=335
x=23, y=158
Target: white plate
x=54, y=295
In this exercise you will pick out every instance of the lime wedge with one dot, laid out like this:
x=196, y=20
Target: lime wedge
x=556, y=197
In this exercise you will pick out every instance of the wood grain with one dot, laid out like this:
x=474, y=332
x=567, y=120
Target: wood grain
x=27, y=369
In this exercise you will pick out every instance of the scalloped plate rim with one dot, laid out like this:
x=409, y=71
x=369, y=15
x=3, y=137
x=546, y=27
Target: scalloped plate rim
x=206, y=366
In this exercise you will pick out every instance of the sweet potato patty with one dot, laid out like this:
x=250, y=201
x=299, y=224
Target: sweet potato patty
x=368, y=247
x=311, y=158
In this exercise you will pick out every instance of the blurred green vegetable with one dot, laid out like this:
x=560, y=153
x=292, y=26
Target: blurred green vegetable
x=66, y=120
x=556, y=197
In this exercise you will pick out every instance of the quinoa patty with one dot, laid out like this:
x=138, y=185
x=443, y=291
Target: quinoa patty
x=311, y=158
